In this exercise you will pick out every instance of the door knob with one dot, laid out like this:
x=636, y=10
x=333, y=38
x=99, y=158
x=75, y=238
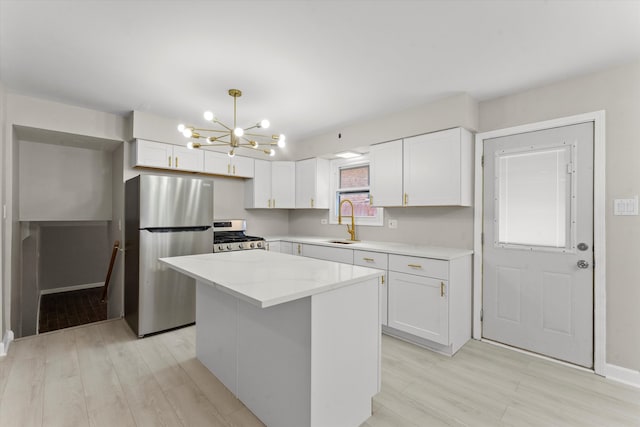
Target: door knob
x=583, y=264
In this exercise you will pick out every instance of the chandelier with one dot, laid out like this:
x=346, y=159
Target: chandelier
x=233, y=137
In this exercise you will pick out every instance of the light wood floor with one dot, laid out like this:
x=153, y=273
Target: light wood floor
x=101, y=375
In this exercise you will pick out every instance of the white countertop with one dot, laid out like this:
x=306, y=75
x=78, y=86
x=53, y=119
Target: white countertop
x=436, y=252
x=266, y=278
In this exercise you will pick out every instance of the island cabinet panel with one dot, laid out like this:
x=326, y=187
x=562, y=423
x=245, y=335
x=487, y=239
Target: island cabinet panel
x=327, y=253
x=429, y=301
x=287, y=363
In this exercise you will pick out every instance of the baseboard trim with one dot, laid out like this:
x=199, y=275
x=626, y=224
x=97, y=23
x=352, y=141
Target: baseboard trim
x=623, y=375
x=4, y=345
x=71, y=288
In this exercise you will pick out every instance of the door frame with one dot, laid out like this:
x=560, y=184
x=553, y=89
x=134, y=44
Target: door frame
x=599, y=232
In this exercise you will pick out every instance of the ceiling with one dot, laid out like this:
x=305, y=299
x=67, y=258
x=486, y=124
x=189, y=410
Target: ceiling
x=309, y=66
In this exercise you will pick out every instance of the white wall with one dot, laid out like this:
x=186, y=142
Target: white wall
x=228, y=196
x=39, y=114
x=617, y=91
x=437, y=226
x=457, y=110
x=4, y=322
x=61, y=183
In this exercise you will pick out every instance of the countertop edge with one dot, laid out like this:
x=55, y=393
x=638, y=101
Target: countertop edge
x=434, y=252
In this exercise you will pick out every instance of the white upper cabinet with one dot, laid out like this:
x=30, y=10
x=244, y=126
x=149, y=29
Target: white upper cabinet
x=437, y=169
x=283, y=185
x=386, y=174
x=434, y=169
x=312, y=184
x=222, y=164
x=166, y=156
x=273, y=185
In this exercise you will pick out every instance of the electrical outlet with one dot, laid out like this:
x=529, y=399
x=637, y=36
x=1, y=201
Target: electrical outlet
x=323, y=221
x=393, y=223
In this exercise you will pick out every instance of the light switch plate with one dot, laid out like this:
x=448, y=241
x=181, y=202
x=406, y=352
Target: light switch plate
x=393, y=223
x=626, y=206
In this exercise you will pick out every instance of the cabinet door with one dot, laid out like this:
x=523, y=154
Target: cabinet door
x=419, y=306
x=216, y=163
x=283, y=177
x=312, y=184
x=188, y=159
x=153, y=154
x=433, y=173
x=261, y=185
x=274, y=246
x=328, y=253
x=242, y=167
x=305, y=183
x=386, y=174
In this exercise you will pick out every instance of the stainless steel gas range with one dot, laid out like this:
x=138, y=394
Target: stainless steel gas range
x=229, y=235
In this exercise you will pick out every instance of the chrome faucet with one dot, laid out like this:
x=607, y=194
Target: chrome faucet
x=351, y=230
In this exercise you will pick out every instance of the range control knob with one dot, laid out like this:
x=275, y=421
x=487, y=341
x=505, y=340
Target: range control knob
x=251, y=245
x=259, y=244
x=220, y=247
x=229, y=246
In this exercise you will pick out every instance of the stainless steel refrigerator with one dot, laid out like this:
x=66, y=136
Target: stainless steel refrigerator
x=164, y=216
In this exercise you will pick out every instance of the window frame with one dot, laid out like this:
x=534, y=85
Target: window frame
x=336, y=165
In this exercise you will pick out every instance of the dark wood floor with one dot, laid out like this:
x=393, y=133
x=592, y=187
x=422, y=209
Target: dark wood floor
x=73, y=308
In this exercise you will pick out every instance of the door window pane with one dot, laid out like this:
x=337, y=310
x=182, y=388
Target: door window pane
x=533, y=190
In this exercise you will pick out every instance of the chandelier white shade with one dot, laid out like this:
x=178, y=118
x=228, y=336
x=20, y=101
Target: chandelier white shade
x=232, y=136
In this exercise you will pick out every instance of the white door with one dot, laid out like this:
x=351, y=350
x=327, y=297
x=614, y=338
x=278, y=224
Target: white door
x=538, y=242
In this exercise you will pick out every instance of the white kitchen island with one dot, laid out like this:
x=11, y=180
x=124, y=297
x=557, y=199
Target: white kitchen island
x=296, y=339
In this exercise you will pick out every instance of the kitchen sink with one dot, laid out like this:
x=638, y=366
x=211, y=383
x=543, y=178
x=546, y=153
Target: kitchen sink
x=343, y=242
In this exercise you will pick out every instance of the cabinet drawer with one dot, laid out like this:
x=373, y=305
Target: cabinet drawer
x=370, y=259
x=420, y=266
x=327, y=253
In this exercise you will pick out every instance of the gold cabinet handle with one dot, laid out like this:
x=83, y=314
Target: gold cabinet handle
x=299, y=249
x=269, y=202
x=234, y=169
x=268, y=247
x=274, y=203
x=169, y=161
x=442, y=289
x=406, y=199
x=368, y=259
x=312, y=202
x=229, y=169
x=370, y=200
x=414, y=265
x=176, y=161
x=382, y=281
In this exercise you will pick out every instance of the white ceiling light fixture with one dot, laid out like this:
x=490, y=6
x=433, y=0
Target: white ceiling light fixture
x=348, y=154
x=233, y=137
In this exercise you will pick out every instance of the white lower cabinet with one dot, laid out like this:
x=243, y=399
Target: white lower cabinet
x=430, y=301
x=287, y=247
x=274, y=246
x=379, y=261
x=327, y=253
x=418, y=305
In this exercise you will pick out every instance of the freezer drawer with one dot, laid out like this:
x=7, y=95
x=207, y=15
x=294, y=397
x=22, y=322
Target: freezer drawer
x=163, y=298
